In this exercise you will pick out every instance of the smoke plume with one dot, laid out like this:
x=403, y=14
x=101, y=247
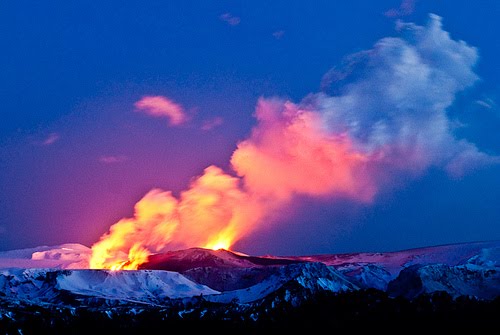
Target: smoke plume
x=387, y=117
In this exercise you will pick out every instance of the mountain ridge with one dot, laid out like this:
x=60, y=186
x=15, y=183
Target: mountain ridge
x=236, y=289
x=459, y=268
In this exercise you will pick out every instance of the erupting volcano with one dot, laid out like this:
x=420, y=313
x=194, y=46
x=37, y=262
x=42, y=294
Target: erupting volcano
x=288, y=153
x=387, y=124
x=248, y=167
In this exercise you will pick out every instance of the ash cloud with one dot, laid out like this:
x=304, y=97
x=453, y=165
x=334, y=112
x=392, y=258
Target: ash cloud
x=391, y=118
x=397, y=108
x=387, y=118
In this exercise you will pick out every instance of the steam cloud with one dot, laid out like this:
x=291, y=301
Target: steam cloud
x=212, y=213
x=387, y=117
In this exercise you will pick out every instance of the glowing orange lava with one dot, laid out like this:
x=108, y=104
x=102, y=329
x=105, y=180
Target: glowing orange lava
x=213, y=213
x=223, y=240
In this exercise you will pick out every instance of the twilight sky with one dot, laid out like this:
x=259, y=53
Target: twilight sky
x=347, y=125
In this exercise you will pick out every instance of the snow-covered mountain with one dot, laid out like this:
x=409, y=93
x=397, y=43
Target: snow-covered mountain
x=311, y=276
x=460, y=280
x=459, y=269
x=72, y=286
x=51, y=275
x=49, y=288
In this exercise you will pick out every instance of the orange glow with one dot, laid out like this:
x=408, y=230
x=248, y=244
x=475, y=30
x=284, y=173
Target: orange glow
x=214, y=213
x=219, y=244
x=117, y=266
x=223, y=240
x=130, y=241
x=136, y=256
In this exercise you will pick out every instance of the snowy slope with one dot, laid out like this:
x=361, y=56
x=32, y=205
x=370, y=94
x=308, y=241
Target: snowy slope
x=312, y=276
x=47, y=285
x=478, y=276
x=392, y=262
x=376, y=270
x=148, y=285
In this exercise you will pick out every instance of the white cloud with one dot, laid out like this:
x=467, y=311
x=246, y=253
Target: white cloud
x=50, y=139
x=230, y=19
x=396, y=103
x=469, y=158
x=487, y=103
x=406, y=7
x=212, y=123
x=278, y=34
x=113, y=159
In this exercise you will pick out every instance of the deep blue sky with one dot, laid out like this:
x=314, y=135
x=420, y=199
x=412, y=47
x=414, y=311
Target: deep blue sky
x=75, y=155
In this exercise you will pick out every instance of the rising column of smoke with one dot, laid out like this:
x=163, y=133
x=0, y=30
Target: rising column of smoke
x=388, y=117
x=212, y=213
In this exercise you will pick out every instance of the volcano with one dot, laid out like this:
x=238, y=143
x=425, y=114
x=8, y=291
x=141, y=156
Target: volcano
x=434, y=268
x=203, y=284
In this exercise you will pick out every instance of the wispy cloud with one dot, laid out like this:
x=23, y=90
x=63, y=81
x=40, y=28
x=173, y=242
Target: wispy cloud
x=230, y=19
x=112, y=159
x=160, y=106
x=50, y=139
x=278, y=34
x=407, y=7
x=487, y=103
x=212, y=123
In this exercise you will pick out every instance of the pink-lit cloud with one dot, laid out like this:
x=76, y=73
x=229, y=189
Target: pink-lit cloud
x=113, y=159
x=407, y=7
x=290, y=152
x=230, y=19
x=278, y=34
x=212, y=123
x=160, y=106
x=51, y=139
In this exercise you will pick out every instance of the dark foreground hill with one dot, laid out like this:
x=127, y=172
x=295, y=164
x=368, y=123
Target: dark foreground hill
x=325, y=312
